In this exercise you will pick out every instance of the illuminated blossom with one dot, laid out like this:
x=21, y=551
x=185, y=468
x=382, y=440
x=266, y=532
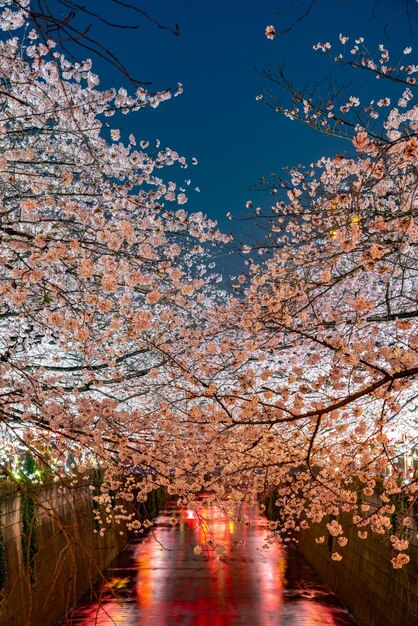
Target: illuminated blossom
x=109, y=283
x=270, y=32
x=400, y=560
x=334, y=528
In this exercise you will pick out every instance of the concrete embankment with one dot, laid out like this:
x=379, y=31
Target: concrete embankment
x=364, y=580
x=51, y=550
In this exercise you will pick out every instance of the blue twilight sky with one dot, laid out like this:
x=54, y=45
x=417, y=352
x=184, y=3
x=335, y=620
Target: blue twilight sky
x=235, y=138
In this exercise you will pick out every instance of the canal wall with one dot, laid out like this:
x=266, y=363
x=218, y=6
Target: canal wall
x=51, y=551
x=364, y=580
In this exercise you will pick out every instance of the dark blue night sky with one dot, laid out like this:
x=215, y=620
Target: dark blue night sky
x=235, y=138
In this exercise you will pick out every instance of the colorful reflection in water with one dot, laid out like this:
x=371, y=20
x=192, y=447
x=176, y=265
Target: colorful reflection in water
x=160, y=581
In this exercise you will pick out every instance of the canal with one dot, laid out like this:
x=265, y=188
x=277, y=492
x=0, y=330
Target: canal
x=160, y=581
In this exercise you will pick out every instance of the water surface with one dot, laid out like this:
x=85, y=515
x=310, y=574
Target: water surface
x=160, y=581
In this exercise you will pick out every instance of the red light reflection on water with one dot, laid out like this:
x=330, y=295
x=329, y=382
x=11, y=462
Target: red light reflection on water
x=171, y=585
x=176, y=586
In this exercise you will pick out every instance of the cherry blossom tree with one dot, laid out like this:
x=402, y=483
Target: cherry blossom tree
x=72, y=26
x=118, y=346
x=333, y=111
x=305, y=383
x=100, y=277
x=323, y=330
